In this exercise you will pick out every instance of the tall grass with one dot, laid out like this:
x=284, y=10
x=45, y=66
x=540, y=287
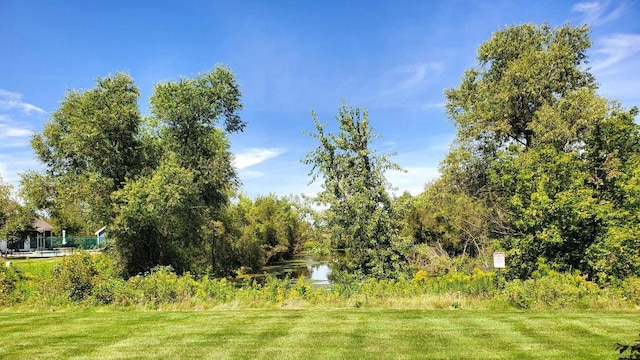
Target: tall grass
x=92, y=280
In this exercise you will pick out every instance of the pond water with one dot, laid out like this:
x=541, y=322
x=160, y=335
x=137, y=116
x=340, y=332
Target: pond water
x=316, y=270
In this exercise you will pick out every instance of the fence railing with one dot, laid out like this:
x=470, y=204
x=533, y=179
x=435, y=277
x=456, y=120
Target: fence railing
x=81, y=242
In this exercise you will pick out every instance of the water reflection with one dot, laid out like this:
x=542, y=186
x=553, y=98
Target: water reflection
x=315, y=270
x=319, y=274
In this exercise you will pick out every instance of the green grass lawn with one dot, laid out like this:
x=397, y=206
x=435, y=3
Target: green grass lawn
x=40, y=268
x=307, y=334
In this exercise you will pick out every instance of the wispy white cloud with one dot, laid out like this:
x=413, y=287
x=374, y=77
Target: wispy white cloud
x=406, y=87
x=615, y=57
x=599, y=12
x=614, y=49
x=253, y=156
x=9, y=131
x=409, y=78
x=13, y=133
x=11, y=100
x=621, y=87
x=280, y=178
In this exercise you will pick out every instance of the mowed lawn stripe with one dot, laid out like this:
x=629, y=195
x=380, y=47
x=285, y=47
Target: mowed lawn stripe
x=319, y=334
x=259, y=339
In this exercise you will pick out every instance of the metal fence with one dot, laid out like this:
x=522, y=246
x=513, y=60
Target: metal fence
x=80, y=242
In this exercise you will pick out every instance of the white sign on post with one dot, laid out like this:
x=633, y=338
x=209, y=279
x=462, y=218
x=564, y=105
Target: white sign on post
x=498, y=260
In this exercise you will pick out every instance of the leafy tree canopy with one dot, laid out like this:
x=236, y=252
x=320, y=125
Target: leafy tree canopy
x=156, y=182
x=552, y=162
x=360, y=219
x=16, y=220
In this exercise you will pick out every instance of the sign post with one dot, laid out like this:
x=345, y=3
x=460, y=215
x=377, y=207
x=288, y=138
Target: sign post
x=498, y=262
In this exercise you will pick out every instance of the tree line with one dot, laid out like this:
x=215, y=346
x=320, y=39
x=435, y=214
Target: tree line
x=162, y=184
x=542, y=168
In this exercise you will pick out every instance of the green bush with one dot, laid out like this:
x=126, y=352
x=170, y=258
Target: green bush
x=552, y=289
x=274, y=289
x=10, y=279
x=159, y=286
x=218, y=290
x=76, y=275
x=109, y=265
x=106, y=291
x=631, y=290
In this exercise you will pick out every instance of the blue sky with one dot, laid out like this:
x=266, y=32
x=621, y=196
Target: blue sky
x=290, y=57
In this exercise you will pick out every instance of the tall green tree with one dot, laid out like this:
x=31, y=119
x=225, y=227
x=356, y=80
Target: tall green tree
x=161, y=184
x=364, y=234
x=613, y=163
x=189, y=112
x=16, y=220
x=520, y=69
x=195, y=167
x=568, y=198
x=89, y=147
x=550, y=159
x=5, y=198
x=154, y=218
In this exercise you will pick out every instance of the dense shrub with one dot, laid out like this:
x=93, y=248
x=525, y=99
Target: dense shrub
x=555, y=290
x=478, y=283
x=159, y=286
x=10, y=278
x=218, y=290
x=631, y=290
x=106, y=291
x=85, y=278
x=75, y=275
x=109, y=264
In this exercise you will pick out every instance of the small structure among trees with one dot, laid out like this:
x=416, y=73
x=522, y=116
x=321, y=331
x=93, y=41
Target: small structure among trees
x=101, y=235
x=33, y=239
x=42, y=231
